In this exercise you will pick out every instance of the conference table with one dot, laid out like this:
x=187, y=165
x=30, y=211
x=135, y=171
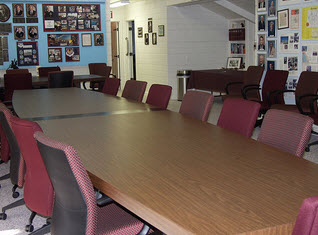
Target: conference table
x=181, y=175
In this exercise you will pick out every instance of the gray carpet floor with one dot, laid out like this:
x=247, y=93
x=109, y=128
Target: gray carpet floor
x=18, y=217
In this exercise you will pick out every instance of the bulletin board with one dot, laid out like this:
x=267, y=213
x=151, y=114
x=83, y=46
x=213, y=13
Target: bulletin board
x=27, y=53
x=71, y=17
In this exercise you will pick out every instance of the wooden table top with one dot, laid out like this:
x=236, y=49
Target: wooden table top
x=42, y=81
x=38, y=103
x=188, y=177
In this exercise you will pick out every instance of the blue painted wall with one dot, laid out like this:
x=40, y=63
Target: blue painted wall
x=87, y=54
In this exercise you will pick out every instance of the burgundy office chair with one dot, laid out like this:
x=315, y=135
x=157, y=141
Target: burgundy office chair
x=15, y=71
x=17, y=165
x=75, y=210
x=239, y=115
x=44, y=71
x=5, y=152
x=98, y=69
x=134, y=90
x=59, y=79
x=38, y=190
x=159, y=95
x=252, y=77
x=197, y=104
x=274, y=81
x=111, y=86
x=307, y=219
x=286, y=130
x=19, y=81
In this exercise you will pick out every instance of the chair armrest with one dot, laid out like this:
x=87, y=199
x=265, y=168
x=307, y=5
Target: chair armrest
x=298, y=103
x=268, y=96
x=104, y=200
x=230, y=84
x=244, y=88
x=247, y=89
x=276, y=93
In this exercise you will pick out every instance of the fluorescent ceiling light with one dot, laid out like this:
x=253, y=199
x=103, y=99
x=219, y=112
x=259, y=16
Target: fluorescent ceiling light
x=119, y=3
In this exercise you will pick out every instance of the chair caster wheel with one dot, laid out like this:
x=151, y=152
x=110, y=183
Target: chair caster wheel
x=15, y=194
x=307, y=149
x=3, y=216
x=29, y=228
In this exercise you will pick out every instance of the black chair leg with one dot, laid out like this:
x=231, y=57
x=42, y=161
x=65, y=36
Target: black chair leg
x=15, y=194
x=4, y=177
x=43, y=230
x=1, y=162
x=3, y=215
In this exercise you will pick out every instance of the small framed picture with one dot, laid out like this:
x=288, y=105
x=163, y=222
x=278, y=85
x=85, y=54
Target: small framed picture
x=261, y=42
x=233, y=63
x=261, y=60
x=154, y=38
x=150, y=26
x=261, y=5
x=270, y=65
x=4, y=13
x=72, y=54
x=55, y=55
x=140, y=32
x=31, y=10
x=33, y=32
x=271, y=7
x=271, y=48
x=271, y=28
x=146, y=38
x=261, y=22
x=161, y=30
x=283, y=19
x=98, y=39
x=19, y=32
x=86, y=39
x=18, y=10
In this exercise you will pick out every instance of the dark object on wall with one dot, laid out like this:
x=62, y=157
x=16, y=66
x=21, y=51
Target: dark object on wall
x=140, y=32
x=19, y=32
x=150, y=26
x=33, y=32
x=18, y=10
x=55, y=55
x=60, y=40
x=146, y=38
x=237, y=34
x=27, y=53
x=4, y=12
x=161, y=30
x=5, y=28
x=154, y=38
x=31, y=10
x=72, y=54
x=18, y=20
x=98, y=39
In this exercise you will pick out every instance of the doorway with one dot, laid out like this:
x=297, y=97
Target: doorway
x=131, y=52
x=115, y=49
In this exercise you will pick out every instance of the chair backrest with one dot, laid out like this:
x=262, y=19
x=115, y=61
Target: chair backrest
x=18, y=81
x=4, y=150
x=14, y=71
x=38, y=190
x=307, y=219
x=17, y=165
x=111, y=86
x=75, y=207
x=159, y=95
x=197, y=104
x=134, y=90
x=99, y=69
x=253, y=75
x=60, y=79
x=239, y=115
x=286, y=130
x=44, y=71
x=274, y=80
x=307, y=84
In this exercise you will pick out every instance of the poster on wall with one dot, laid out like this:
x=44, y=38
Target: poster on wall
x=290, y=63
x=72, y=54
x=71, y=17
x=27, y=53
x=289, y=43
x=294, y=19
x=61, y=40
x=310, y=23
x=309, y=57
x=55, y=55
x=287, y=2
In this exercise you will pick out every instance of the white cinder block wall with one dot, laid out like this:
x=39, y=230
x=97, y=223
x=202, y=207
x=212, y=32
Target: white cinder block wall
x=195, y=38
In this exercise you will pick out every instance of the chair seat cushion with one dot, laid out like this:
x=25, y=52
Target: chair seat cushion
x=114, y=220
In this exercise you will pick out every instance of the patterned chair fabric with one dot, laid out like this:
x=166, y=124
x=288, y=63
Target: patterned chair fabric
x=38, y=190
x=239, y=115
x=159, y=95
x=134, y=90
x=75, y=210
x=44, y=71
x=197, y=104
x=59, y=79
x=111, y=86
x=286, y=130
x=19, y=81
x=307, y=219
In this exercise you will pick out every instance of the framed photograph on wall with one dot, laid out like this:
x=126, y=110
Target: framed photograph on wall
x=261, y=22
x=140, y=32
x=146, y=38
x=161, y=30
x=98, y=39
x=86, y=39
x=283, y=19
x=31, y=10
x=33, y=32
x=261, y=5
x=19, y=32
x=261, y=60
x=154, y=38
x=5, y=13
x=150, y=26
x=72, y=54
x=55, y=55
x=18, y=10
x=271, y=7
x=27, y=53
x=233, y=63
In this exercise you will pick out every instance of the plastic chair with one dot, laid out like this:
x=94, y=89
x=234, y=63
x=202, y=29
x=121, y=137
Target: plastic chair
x=38, y=190
x=197, y=104
x=159, y=95
x=44, y=71
x=60, y=79
x=75, y=210
x=239, y=115
x=111, y=86
x=134, y=90
x=286, y=130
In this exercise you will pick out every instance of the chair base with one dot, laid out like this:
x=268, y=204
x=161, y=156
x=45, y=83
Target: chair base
x=15, y=194
x=3, y=215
